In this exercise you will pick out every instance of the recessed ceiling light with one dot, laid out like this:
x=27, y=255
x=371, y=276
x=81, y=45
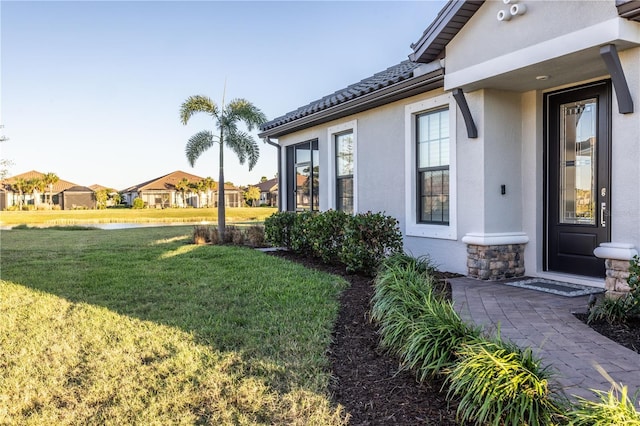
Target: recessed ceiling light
x=542, y=77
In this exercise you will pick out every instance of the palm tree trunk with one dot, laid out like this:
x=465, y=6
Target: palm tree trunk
x=221, y=207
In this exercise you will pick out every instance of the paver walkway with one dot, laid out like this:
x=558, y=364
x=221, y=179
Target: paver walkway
x=545, y=322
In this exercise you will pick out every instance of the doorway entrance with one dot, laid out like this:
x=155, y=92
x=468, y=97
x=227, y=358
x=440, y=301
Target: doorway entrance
x=578, y=192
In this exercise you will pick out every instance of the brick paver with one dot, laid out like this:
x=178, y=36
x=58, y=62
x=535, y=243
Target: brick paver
x=545, y=322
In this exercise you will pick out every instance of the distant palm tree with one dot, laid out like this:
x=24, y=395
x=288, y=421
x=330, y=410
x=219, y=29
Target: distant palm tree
x=20, y=185
x=198, y=188
x=50, y=179
x=39, y=186
x=208, y=185
x=226, y=118
x=182, y=186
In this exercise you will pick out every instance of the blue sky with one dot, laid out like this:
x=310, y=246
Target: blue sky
x=91, y=90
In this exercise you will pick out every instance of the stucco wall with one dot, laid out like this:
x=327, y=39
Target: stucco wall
x=532, y=179
x=550, y=19
x=625, y=156
x=381, y=173
x=503, y=142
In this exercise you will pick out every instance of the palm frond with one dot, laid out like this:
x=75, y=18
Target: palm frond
x=244, y=146
x=197, y=144
x=197, y=103
x=245, y=111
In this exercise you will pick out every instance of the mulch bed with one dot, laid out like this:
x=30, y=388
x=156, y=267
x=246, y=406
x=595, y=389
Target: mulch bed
x=371, y=385
x=627, y=334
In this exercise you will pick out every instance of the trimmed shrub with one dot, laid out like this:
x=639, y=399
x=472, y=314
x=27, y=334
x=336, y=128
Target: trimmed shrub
x=300, y=236
x=326, y=234
x=500, y=384
x=368, y=239
x=277, y=229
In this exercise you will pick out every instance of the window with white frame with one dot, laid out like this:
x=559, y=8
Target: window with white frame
x=342, y=143
x=344, y=171
x=430, y=168
x=432, y=148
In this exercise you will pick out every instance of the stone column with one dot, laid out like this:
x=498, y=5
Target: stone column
x=495, y=256
x=617, y=258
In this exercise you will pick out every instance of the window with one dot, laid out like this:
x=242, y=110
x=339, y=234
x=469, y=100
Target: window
x=303, y=173
x=432, y=138
x=430, y=164
x=344, y=171
x=343, y=166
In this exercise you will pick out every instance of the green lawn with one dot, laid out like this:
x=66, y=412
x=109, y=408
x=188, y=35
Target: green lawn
x=138, y=326
x=67, y=217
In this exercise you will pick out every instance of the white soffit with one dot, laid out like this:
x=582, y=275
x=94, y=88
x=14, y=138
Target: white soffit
x=575, y=54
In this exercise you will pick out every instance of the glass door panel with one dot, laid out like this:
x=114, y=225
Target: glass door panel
x=578, y=139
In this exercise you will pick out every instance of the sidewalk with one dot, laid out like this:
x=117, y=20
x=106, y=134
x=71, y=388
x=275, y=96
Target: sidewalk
x=544, y=322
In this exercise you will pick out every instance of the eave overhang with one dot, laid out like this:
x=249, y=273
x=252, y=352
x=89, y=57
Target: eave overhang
x=453, y=16
x=404, y=89
x=629, y=9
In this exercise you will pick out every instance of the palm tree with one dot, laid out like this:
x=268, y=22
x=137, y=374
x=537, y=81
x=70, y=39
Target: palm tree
x=39, y=186
x=208, y=185
x=20, y=185
x=182, y=186
x=50, y=179
x=226, y=118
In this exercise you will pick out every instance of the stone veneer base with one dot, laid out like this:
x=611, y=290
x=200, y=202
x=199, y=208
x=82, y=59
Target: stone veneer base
x=495, y=262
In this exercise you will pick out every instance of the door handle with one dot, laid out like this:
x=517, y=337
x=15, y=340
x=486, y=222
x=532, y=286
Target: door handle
x=603, y=209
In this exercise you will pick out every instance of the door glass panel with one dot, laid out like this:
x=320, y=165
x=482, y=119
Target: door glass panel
x=578, y=139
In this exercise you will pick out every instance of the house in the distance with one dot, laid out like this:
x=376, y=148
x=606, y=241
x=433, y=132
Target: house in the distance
x=268, y=192
x=66, y=195
x=508, y=143
x=181, y=189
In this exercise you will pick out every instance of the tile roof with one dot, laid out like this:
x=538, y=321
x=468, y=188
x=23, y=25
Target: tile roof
x=378, y=81
x=168, y=182
x=164, y=182
x=267, y=185
x=58, y=187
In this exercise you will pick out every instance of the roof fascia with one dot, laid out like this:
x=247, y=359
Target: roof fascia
x=403, y=89
x=629, y=9
x=443, y=29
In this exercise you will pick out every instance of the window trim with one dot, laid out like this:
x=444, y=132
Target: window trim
x=413, y=227
x=332, y=132
x=290, y=179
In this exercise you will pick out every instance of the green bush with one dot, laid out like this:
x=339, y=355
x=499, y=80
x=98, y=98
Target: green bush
x=610, y=410
x=277, y=229
x=498, y=383
x=138, y=203
x=360, y=242
x=326, y=234
x=300, y=236
x=368, y=239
